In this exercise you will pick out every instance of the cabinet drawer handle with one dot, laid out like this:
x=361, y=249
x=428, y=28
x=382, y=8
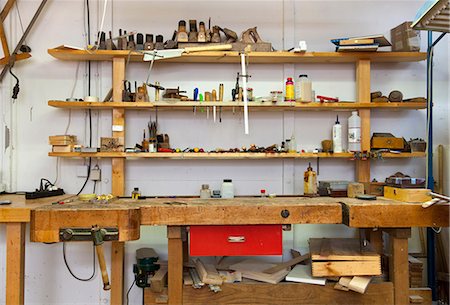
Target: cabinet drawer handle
x=236, y=239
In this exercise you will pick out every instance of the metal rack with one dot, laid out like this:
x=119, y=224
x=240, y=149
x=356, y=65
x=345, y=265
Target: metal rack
x=433, y=16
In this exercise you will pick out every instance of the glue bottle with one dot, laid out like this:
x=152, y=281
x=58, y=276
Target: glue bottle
x=227, y=189
x=354, y=132
x=290, y=91
x=310, y=181
x=135, y=194
x=337, y=136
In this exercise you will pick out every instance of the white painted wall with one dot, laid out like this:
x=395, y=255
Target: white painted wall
x=43, y=78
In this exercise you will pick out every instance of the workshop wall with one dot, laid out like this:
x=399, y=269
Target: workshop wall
x=282, y=23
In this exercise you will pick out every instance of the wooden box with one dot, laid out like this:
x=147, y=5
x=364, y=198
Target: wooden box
x=112, y=144
x=407, y=195
x=236, y=240
x=342, y=257
x=374, y=188
x=380, y=141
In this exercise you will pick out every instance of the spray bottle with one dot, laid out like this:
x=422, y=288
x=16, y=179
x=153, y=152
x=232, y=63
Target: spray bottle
x=337, y=136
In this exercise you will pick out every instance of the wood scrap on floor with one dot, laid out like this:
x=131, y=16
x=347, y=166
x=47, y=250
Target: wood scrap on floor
x=254, y=269
x=287, y=264
x=356, y=283
x=415, y=299
x=208, y=273
x=343, y=257
x=230, y=276
x=159, y=280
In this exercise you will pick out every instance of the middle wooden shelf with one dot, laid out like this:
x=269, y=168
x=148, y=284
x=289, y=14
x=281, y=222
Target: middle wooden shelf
x=262, y=106
x=224, y=155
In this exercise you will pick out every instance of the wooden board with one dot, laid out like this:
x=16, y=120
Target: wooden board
x=407, y=195
x=47, y=220
x=386, y=213
x=283, y=294
x=229, y=105
x=254, y=269
x=239, y=211
x=342, y=257
x=255, y=57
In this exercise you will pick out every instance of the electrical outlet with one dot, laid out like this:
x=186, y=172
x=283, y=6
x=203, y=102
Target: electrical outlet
x=82, y=171
x=96, y=174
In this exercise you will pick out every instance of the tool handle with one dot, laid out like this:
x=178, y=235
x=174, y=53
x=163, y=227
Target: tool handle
x=219, y=47
x=102, y=264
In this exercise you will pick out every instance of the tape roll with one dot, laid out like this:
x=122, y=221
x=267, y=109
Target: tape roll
x=91, y=99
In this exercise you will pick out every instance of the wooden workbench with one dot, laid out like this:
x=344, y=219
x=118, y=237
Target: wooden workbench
x=16, y=216
x=127, y=215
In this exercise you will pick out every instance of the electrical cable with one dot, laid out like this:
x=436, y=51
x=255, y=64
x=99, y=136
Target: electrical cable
x=16, y=88
x=20, y=20
x=89, y=93
x=70, y=271
x=129, y=289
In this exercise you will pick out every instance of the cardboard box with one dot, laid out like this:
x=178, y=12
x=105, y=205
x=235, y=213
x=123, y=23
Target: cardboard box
x=405, y=39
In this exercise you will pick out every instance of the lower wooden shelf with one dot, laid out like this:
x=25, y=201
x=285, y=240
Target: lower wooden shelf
x=280, y=294
x=222, y=156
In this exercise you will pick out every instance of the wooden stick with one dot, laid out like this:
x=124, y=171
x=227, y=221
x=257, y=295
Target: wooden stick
x=287, y=264
x=102, y=264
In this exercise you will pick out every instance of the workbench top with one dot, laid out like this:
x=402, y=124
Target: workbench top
x=129, y=214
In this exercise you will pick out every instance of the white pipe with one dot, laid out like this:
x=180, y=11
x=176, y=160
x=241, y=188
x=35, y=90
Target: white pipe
x=244, y=93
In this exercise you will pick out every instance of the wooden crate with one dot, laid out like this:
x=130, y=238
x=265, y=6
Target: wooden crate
x=343, y=257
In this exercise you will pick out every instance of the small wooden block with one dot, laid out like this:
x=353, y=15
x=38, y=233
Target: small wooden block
x=415, y=299
x=340, y=287
x=162, y=299
x=159, y=280
x=187, y=279
x=359, y=283
x=354, y=189
x=208, y=273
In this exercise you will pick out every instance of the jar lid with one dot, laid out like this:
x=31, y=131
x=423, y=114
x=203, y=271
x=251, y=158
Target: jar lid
x=205, y=186
x=303, y=75
x=227, y=180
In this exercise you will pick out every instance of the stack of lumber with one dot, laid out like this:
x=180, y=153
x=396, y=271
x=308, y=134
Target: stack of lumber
x=332, y=257
x=415, y=272
x=62, y=143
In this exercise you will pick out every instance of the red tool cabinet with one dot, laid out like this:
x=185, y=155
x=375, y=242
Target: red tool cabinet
x=236, y=240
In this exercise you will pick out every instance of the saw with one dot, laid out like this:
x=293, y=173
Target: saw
x=171, y=53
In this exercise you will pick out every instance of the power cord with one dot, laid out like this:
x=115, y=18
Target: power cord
x=16, y=88
x=70, y=271
x=129, y=289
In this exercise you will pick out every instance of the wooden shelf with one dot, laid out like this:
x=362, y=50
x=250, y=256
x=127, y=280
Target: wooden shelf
x=254, y=57
x=100, y=105
x=229, y=105
x=222, y=156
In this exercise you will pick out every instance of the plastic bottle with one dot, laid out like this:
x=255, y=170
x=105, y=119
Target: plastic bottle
x=298, y=88
x=310, y=181
x=290, y=91
x=293, y=145
x=205, y=192
x=305, y=88
x=227, y=189
x=354, y=132
x=337, y=136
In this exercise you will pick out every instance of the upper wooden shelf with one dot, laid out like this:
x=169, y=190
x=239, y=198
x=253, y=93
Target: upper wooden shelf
x=227, y=105
x=254, y=57
x=222, y=156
